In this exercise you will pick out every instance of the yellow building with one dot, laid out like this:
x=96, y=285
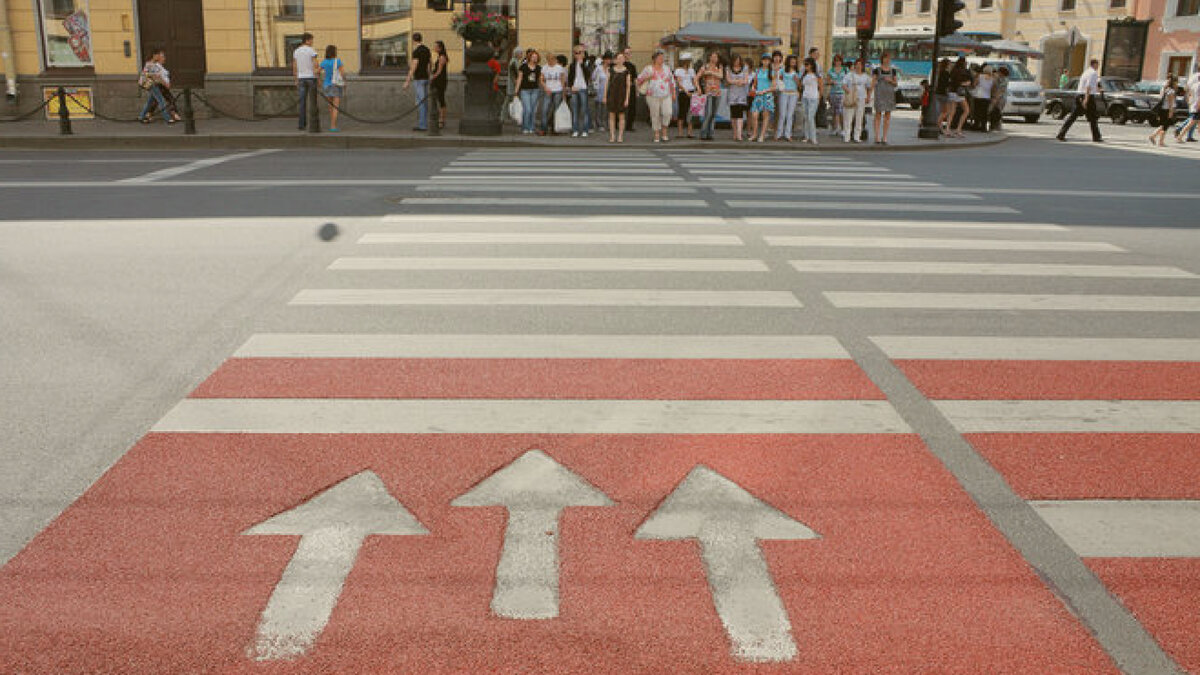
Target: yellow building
x=1068, y=32
x=239, y=51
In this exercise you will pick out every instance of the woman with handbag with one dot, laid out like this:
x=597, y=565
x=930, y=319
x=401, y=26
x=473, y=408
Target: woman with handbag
x=858, y=87
x=334, y=86
x=711, y=75
x=837, y=93
x=657, y=84
x=528, y=87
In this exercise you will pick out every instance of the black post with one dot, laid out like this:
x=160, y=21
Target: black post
x=314, y=114
x=189, y=115
x=64, y=115
x=929, y=114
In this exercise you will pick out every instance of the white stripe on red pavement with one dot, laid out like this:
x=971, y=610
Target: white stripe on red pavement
x=553, y=264
x=483, y=346
x=946, y=244
x=1126, y=528
x=530, y=416
x=1073, y=416
x=934, y=347
x=596, y=297
x=551, y=238
x=1014, y=301
x=990, y=269
x=1034, y=379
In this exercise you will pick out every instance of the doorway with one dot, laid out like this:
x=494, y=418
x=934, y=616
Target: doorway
x=178, y=27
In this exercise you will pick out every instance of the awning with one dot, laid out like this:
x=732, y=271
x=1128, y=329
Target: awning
x=1014, y=48
x=713, y=33
x=957, y=42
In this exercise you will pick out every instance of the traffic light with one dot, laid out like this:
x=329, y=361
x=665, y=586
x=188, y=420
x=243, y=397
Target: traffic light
x=865, y=20
x=947, y=23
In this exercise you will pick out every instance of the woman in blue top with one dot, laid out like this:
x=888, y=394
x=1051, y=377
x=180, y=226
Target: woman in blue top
x=334, y=83
x=762, y=87
x=790, y=79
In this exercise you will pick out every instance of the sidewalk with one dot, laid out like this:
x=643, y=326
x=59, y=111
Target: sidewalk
x=225, y=133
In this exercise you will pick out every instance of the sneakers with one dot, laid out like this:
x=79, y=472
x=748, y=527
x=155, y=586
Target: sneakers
x=584, y=134
x=574, y=134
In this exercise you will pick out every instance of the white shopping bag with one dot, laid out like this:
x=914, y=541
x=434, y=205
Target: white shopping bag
x=562, y=119
x=516, y=111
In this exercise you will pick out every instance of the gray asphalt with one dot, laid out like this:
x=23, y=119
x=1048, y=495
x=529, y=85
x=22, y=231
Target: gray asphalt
x=119, y=298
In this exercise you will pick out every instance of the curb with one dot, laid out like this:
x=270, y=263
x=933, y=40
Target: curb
x=326, y=141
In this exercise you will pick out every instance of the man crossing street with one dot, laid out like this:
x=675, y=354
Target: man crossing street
x=1089, y=89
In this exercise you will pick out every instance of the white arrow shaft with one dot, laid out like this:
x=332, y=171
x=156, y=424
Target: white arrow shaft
x=303, y=600
x=527, y=576
x=746, y=599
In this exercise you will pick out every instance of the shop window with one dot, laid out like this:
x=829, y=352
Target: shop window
x=705, y=10
x=278, y=31
x=600, y=25
x=925, y=7
x=66, y=33
x=1025, y=7
x=386, y=29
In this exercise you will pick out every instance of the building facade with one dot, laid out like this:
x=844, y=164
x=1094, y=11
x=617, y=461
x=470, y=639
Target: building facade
x=239, y=51
x=1140, y=39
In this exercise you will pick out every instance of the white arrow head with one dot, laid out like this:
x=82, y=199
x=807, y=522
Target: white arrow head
x=707, y=503
x=533, y=480
x=359, y=504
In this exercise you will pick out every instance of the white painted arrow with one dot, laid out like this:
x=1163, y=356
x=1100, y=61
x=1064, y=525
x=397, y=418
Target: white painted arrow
x=728, y=522
x=535, y=489
x=332, y=527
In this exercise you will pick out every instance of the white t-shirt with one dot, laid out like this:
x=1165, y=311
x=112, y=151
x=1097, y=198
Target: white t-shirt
x=306, y=60
x=860, y=84
x=554, y=75
x=1194, y=92
x=686, y=78
x=1090, y=82
x=812, y=87
x=984, y=88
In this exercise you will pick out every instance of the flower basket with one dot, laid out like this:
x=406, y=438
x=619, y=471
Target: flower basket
x=480, y=27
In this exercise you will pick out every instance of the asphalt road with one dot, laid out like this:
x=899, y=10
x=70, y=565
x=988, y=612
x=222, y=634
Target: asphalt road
x=937, y=377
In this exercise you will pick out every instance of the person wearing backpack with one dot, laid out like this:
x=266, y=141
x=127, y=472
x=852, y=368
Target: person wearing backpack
x=156, y=80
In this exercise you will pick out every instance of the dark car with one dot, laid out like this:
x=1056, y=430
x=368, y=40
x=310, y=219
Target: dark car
x=1119, y=100
x=1154, y=89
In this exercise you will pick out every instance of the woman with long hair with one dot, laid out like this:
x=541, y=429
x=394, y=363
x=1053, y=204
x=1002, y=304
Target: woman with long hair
x=529, y=77
x=959, y=82
x=738, y=79
x=833, y=84
x=811, y=93
x=1166, y=111
x=762, y=86
x=711, y=76
x=438, y=79
x=884, y=81
x=788, y=98
x=620, y=93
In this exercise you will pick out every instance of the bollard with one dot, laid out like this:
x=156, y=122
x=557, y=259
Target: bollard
x=434, y=128
x=64, y=115
x=314, y=114
x=189, y=115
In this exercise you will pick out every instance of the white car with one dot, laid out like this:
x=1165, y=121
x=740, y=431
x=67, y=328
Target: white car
x=1025, y=96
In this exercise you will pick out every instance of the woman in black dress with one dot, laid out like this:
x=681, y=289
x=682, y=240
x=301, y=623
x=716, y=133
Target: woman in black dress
x=620, y=93
x=438, y=80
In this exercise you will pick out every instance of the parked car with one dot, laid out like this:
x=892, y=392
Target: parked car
x=1118, y=100
x=1025, y=96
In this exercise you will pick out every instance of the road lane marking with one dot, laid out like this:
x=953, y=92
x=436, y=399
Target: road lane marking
x=1132, y=528
x=910, y=194
x=866, y=206
x=562, y=170
x=534, y=489
x=841, y=223
x=550, y=238
x=529, y=416
x=1014, y=301
x=342, y=345
x=929, y=243
x=1038, y=348
x=539, y=219
x=173, y=171
x=596, y=297
x=1162, y=417
x=635, y=188
x=990, y=269
x=554, y=264
x=560, y=202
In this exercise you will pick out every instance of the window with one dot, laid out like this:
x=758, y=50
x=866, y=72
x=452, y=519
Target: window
x=897, y=7
x=1188, y=8
x=1179, y=66
x=987, y=4
x=66, y=33
x=1116, y=4
x=278, y=30
x=705, y=10
x=925, y=7
x=1025, y=7
x=600, y=25
x=386, y=27
x=1067, y=6
x=797, y=36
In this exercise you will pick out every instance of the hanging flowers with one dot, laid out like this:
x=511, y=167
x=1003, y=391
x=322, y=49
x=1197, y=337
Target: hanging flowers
x=481, y=27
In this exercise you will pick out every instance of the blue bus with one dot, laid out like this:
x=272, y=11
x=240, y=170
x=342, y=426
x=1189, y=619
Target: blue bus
x=904, y=43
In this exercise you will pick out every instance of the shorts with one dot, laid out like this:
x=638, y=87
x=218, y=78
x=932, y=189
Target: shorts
x=737, y=111
x=763, y=103
x=333, y=90
x=953, y=98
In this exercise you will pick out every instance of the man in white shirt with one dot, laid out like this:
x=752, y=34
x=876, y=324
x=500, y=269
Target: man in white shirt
x=1193, y=82
x=1089, y=90
x=305, y=70
x=1193, y=97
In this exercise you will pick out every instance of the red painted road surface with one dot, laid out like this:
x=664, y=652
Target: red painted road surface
x=1162, y=593
x=148, y=571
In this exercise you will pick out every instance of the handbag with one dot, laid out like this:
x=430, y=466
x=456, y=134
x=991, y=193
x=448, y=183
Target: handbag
x=516, y=110
x=850, y=99
x=335, y=78
x=699, y=101
x=643, y=87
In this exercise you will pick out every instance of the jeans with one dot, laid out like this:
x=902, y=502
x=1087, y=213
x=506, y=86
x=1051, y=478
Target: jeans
x=1182, y=125
x=303, y=86
x=551, y=100
x=529, y=101
x=579, y=111
x=156, y=97
x=711, y=104
x=810, y=118
x=421, y=87
x=787, y=114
